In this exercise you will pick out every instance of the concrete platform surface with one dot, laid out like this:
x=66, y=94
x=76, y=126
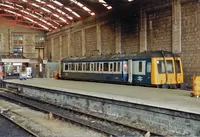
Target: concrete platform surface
x=163, y=98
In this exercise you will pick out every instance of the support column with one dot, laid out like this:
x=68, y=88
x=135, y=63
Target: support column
x=118, y=42
x=52, y=51
x=99, y=38
x=61, y=48
x=83, y=42
x=176, y=26
x=143, y=29
x=68, y=44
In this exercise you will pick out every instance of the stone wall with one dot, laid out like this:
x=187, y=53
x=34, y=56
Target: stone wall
x=190, y=39
x=154, y=119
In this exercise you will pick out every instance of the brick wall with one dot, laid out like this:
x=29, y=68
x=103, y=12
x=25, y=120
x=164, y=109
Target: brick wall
x=108, y=38
x=130, y=34
x=65, y=45
x=56, y=48
x=91, y=41
x=190, y=39
x=76, y=44
x=159, y=30
x=48, y=48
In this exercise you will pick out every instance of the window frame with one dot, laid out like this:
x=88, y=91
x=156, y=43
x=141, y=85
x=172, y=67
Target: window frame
x=140, y=66
x=162, y=72
x=106, y=64
x=179, y=65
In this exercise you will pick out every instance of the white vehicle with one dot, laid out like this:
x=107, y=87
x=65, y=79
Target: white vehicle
x=29, y=72
x=23, y=75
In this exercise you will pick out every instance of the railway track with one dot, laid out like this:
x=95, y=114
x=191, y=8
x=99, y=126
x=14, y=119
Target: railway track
x=12, y=128
x=106, y=126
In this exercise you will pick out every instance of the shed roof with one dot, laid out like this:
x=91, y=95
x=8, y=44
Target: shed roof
x=53, y=14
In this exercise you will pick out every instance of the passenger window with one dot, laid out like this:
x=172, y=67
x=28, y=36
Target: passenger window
x=92, y=67
x=111, y=67
x=101, y=66
x=105, y=67
x=115, y=67
x=118, y=67
x=73, y=66
x=76, y=66
x=80, y=67
x=66, y=67
x=170, y=68
x=95, y=66
x=161, y=66
x=70, y=66
x=87, y=66
x=140, y=66
x=178, y=66
x=84, y=67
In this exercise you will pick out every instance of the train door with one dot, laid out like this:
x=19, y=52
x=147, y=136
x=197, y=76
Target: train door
x=130, y=73
x=165, y=72
x=125, y=71
x=140, y=75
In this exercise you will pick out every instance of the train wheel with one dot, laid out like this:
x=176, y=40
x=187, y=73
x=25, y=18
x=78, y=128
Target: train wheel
x=191, y=95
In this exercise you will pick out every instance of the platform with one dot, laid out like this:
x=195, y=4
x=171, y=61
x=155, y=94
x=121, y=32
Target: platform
x=161, y=98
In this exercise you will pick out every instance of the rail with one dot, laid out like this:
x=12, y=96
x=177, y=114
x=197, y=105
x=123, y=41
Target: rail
x=18, y=125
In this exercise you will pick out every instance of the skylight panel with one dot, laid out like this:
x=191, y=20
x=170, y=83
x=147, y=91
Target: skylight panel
x=5, y=5
x=57, y=2
x=70, y=10
x=35, y=5
x=83, y=7
x=104, y=3
x=13, y=12
x=62, y=19
x=51, y=6
x=45, y=9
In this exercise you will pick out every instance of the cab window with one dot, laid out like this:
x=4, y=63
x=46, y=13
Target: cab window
x=178, y=66
x=170, y=68
x=161, y=66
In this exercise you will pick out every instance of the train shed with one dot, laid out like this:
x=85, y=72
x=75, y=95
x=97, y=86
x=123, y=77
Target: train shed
x=45, y=35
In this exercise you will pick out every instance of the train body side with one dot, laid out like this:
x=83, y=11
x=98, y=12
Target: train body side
x=97, y=71
x=144, y=70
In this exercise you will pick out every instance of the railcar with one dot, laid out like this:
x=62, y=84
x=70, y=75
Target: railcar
x=152, y=68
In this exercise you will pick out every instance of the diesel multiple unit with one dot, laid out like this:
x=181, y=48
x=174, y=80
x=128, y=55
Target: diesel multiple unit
x=152, y=68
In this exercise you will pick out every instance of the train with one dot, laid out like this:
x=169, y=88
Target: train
x=150, y=68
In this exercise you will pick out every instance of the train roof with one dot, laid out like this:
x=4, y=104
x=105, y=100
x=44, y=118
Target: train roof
x=138, y=55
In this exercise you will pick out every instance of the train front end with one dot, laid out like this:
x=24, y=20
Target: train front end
x=167, y=71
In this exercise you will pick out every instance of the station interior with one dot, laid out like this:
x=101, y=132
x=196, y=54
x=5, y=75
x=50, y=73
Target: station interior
x=131, y=63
